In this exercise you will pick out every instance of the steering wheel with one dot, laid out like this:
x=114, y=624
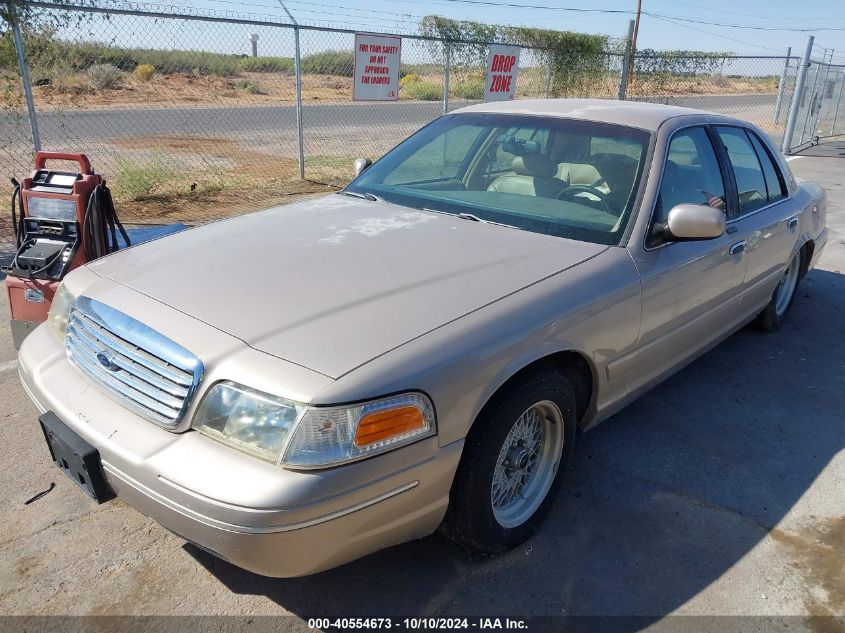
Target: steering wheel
x=569, y=192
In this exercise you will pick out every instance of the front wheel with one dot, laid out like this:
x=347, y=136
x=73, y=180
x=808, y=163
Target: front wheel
x=512, y=462
x=774, y=313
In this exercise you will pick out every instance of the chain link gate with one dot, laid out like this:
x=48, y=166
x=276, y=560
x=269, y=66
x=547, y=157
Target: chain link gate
x=817, y=107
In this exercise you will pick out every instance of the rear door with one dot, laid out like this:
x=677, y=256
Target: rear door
x=764, y=214
x=690, y=289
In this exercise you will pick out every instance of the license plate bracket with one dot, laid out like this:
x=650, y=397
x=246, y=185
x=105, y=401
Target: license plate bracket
x=75, y=457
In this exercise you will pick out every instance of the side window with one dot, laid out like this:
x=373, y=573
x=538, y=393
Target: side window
x=750, y=182
x=440, y=159
x=691, y=174
x=774, y=180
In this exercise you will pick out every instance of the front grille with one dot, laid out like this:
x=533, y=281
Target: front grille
x=142, y=369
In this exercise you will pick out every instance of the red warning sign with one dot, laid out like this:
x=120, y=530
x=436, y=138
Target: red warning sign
x=502, y=69
x=376, y=76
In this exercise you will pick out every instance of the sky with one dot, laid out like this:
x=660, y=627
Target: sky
x=676, y=27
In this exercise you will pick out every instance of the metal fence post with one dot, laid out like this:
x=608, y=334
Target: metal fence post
x=549, y=75
x=627, y=62
x=27, y=86
x=446, y=70
x=297, y=71
x=838, y=103
x=813, y=94
x=792, y=117
x=782, y=85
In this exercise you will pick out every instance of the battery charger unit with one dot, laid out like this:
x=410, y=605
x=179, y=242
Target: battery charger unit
x=66, y=219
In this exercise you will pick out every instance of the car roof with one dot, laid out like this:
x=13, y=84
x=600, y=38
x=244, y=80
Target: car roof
x=647, y=116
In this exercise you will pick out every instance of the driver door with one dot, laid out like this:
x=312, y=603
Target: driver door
x=690, y=289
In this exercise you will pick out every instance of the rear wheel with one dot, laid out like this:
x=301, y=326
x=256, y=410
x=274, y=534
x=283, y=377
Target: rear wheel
x=511, y=465
x=773, y=314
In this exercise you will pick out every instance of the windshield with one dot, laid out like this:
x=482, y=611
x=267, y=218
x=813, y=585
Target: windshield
x=562, y=177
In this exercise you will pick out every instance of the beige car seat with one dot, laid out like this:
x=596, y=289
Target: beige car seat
x=578, y=174
x=533, y=175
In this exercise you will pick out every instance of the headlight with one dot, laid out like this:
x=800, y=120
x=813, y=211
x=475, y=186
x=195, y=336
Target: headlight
x=250, y=420
x=59, y=311
x=293, y=434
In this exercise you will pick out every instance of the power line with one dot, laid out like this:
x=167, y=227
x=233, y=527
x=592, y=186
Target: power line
x=708, y=10
x=379, y=21
x=515, y=5
x=724, y=37
x=338, y=6
x=501, y=3
x=745, y=26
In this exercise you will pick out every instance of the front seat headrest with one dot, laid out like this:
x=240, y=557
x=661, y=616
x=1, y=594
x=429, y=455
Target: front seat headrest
x=534, y=165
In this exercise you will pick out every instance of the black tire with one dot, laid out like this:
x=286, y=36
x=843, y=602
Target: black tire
x=471, y=520
x=771, y=318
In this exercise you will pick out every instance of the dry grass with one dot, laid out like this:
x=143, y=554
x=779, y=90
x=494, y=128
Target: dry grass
x=75, y=91
x=644, y=86
x=190, y=90
x=255, y=180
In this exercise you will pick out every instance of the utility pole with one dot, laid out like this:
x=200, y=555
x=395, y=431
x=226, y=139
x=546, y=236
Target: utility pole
x=636, y=26
x=633, y=49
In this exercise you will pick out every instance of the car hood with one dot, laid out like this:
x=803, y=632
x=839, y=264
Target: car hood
x=332, y=283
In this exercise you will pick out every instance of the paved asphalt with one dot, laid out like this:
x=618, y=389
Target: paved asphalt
x=720, y=492
x=109, y=123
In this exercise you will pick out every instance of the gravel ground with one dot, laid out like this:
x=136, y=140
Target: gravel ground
x=718, y=493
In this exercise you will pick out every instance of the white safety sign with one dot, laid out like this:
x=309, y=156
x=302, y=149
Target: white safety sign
x=502, y=69
x=376, y=74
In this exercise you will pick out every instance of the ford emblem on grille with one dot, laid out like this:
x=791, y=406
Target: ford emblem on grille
x=107, y=361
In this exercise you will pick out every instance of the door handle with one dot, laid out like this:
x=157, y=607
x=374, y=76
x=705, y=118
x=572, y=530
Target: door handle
x=738, y=248
x=792, y=222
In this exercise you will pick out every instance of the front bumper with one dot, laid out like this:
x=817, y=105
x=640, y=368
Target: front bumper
x=256, y=515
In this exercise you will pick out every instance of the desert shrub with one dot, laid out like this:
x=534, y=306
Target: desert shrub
x=87, y=54
x=267, y=65
x=329, y=63
x=104, y=76
x=409, y=79
x=250, y=88
x=189, y=62
x=720, y=81
x=423, y=91
x=136, y=182
x=471, y=88
x=144, y=72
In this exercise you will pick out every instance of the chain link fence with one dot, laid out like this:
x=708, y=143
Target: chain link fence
x=749, y=88
x=189, y=123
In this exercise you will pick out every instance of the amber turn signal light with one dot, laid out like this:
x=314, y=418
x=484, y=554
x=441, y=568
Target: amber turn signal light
x=383, y=425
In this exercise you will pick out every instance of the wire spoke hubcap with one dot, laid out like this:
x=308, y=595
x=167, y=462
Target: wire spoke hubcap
x=527, y=464
x=786, y=287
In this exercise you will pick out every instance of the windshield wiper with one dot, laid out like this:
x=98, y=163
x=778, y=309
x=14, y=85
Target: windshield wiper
x=475, y=218
x=363, y=196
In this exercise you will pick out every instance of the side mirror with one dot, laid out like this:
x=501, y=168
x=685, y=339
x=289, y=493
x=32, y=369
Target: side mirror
x=361, y=164
x=695, y=222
